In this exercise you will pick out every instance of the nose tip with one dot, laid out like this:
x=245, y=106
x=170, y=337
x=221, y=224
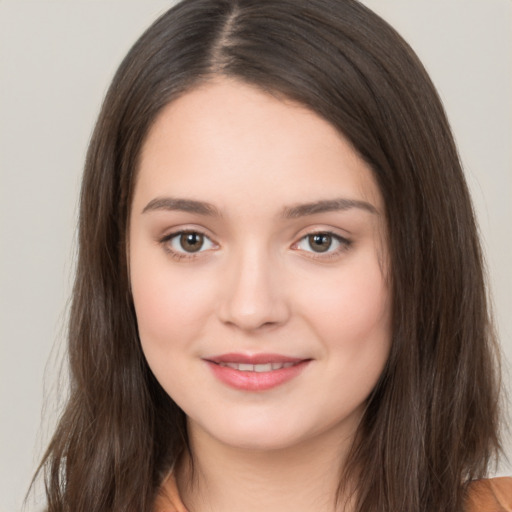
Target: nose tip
x=252, y=318
x=254, y=297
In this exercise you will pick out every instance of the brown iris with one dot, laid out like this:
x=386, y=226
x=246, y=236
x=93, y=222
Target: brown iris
x=320, y=242
x=191, y=242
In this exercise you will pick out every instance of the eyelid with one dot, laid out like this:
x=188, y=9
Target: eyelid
x=180, y=255
x=344, y=244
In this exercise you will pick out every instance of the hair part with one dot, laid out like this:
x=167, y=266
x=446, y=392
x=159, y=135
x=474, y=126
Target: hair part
x=431, y=423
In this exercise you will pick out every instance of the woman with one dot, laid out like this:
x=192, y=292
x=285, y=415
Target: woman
x=279, y=300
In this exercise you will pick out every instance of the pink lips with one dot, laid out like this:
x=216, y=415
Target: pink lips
x=257, y=372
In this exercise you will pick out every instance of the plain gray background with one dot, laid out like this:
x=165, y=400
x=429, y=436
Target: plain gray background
x=56, y=61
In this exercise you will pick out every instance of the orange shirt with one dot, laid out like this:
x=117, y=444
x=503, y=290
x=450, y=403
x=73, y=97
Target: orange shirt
x=493, y=495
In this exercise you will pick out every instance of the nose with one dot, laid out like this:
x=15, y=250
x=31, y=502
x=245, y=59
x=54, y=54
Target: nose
x=253, y=293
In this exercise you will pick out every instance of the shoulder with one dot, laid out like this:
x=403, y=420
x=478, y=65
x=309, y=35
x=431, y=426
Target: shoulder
x=490, y=495
x=168, y=499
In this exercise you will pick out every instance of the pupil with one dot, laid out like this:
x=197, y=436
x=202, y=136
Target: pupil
x=191, y=242
x=320, y=242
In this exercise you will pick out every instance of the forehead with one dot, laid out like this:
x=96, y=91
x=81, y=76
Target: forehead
x=227, y=137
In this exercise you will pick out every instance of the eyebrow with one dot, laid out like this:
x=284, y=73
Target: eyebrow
x=328, y=205
x=288, y=212
x=183, y=205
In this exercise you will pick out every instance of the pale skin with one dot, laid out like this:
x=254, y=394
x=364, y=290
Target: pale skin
x=284, y=253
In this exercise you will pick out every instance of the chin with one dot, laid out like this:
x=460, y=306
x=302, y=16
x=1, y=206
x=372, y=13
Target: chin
x=246, y=434
x=262, y=442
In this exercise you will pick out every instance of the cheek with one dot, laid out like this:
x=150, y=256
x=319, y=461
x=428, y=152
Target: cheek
x=351, y=316
x=354, y=324
x=171, y=311
x=353, y=304
x=171, y=305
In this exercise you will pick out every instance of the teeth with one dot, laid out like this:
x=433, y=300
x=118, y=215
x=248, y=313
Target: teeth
x=263, y=367
x=266, y=367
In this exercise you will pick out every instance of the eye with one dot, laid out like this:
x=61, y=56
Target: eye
x=322, y=242
x=187, y=242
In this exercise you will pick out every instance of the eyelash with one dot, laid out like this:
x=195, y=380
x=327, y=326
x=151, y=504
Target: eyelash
x=344, y=245
x=177, y=255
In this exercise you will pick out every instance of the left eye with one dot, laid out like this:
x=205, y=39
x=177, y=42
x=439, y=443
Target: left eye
x=321, y=242
x=189, y=242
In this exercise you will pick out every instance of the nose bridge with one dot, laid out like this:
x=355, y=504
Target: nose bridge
x=253, y=296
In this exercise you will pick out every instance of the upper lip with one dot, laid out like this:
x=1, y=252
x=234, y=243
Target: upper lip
x=254, y=358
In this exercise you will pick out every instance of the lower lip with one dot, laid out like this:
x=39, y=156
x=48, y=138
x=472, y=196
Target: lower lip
x=256, y=381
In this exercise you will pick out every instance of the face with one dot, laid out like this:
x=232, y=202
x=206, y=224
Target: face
x=258, y=263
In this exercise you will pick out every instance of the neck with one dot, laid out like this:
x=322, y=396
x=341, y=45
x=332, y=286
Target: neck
x=222, y=478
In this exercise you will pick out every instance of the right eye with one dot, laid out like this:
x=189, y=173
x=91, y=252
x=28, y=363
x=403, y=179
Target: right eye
x=323, y=244
x=185, y=243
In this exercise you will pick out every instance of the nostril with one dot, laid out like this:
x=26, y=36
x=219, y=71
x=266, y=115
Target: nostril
x=252, y=297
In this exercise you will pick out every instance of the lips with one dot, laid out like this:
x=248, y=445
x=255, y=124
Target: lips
x=256, y=372
x=266, y=367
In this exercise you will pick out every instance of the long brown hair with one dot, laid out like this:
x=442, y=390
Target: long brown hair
x=431, y=424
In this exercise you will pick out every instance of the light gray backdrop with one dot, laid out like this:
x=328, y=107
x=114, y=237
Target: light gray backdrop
x=56, y=60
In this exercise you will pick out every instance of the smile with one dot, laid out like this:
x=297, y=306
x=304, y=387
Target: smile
x=258, y=372
x=260, y=368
